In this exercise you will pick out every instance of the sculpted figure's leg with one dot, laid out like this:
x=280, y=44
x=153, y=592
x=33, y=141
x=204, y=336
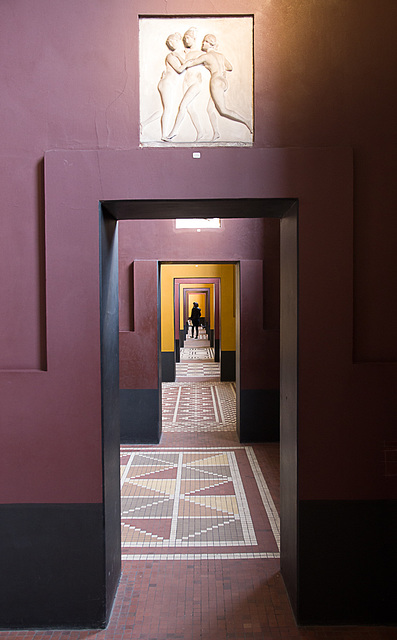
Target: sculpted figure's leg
x=167, y=94
x=148, y=120
x=212, y=114
x=191, y=93
x=195, y=118
x=217, y=90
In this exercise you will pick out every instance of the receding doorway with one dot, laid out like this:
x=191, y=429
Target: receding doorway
x=198, y=363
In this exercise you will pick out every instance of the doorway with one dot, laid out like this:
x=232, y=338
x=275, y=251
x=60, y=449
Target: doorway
x=284, y=209
x=197, y=362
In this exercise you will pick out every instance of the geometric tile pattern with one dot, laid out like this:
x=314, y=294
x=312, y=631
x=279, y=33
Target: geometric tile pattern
x=201, y=353
x=197, y=371
x=176, y=500
x=202, y=406
x=197, y=363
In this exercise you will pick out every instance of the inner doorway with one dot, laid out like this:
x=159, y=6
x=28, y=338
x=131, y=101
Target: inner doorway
x=207, y=290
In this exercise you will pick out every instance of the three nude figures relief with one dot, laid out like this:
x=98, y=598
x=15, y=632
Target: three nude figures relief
x=184, y=62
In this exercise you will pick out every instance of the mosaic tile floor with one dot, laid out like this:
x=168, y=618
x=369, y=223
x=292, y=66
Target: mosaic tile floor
x=199, y=353
x=194, y=503
x=197, y=364
x=196, y=371
x=199, y=407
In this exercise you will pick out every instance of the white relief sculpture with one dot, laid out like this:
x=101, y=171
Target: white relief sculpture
x=196, y=104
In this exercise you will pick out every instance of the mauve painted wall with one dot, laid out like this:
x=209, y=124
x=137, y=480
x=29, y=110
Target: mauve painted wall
x=324, y=77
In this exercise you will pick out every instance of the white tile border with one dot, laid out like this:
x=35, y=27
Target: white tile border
x=200, y=556
x=242, y=503
x=178, y=399
x=223, y=421
x=174, y=520
x=265, y=494
x=126, y=469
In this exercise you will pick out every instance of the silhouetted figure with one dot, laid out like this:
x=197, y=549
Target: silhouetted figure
x=195, y=315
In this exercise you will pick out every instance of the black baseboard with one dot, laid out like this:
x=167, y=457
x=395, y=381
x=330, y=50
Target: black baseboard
x=140, y=416
x=259, y=415
x=228, y=366
x=167, y=366
x=347, y=562
x=53, y=567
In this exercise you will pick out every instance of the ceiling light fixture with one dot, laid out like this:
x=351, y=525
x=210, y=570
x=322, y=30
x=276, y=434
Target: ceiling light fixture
x=198, y=223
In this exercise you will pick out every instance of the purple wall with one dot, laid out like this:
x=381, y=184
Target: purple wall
x=324, y=78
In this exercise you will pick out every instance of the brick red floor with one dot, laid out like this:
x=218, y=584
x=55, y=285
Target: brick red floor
x=181, y=599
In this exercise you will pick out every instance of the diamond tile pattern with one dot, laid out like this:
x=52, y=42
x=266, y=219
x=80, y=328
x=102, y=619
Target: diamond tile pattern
x=182, y=498
x=197, y=517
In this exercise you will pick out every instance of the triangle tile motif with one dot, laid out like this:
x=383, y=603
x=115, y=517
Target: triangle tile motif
x=166, y=487
x=154, y=472
x=225, y=504
x=184, y=499
x=204, y=461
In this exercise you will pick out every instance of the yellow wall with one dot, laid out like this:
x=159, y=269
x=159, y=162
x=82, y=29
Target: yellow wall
x=227, y=299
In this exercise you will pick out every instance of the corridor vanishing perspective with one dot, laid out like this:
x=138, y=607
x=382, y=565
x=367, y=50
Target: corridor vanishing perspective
x=199, y=518
x=200, y=495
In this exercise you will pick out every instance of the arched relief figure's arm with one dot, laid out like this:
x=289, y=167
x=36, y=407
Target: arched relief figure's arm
x=193, y=62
